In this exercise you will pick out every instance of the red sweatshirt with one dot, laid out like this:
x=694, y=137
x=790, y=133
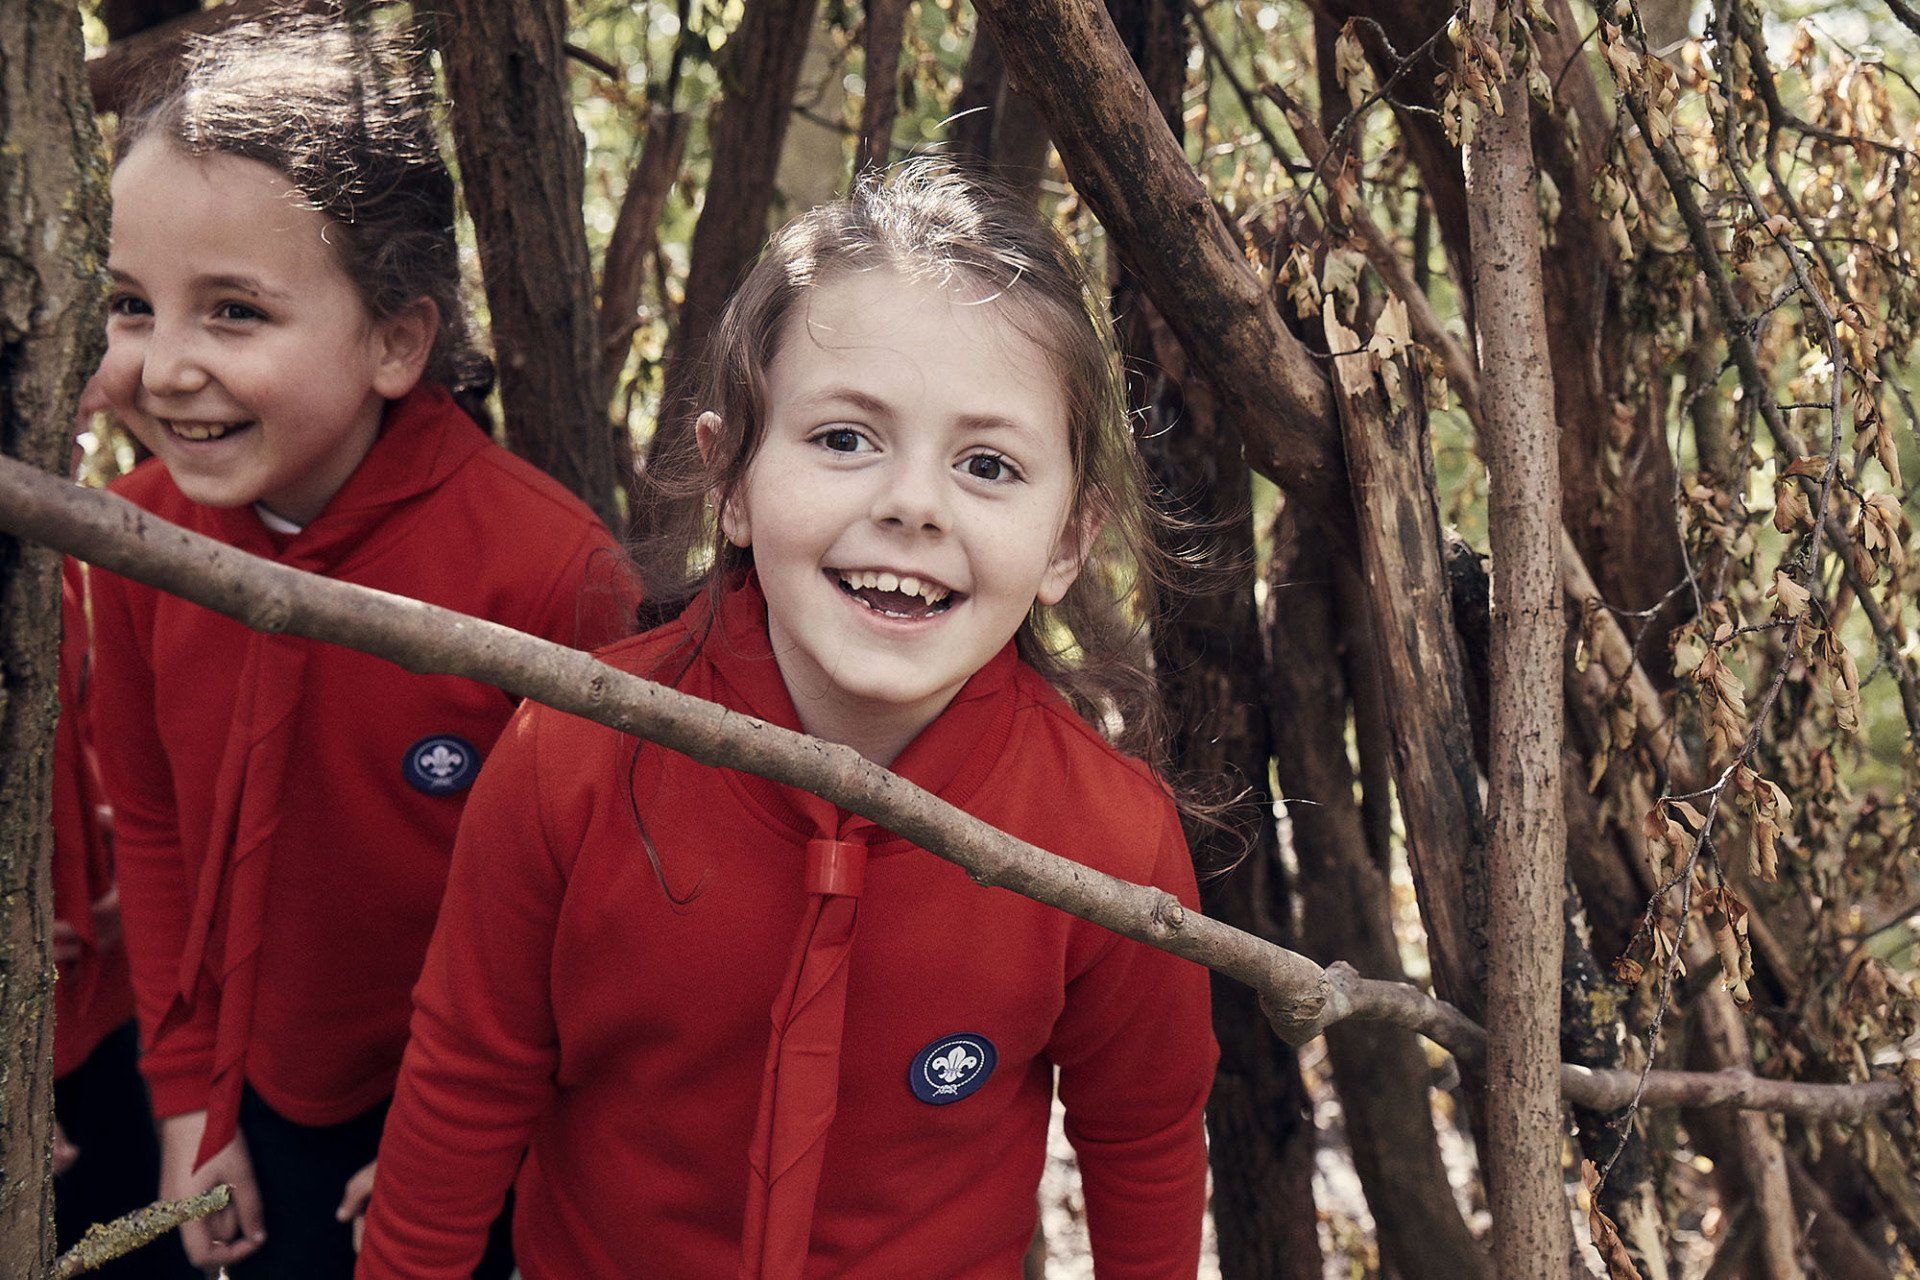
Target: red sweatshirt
x=93, y=996
x=284, y=809
x=571, y=1011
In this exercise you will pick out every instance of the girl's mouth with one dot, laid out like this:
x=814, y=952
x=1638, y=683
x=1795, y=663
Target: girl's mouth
x=197, y=432
x=892, y=595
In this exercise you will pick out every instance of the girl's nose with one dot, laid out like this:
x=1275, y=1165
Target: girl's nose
x=914, y=497
x=170, y=366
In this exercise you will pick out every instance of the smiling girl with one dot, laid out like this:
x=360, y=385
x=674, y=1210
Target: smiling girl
x=286, y=335
x=705, y=1024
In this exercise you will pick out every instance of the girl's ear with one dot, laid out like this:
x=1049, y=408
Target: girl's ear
x=402, y=344
x=1076, y=543
x=733, y=520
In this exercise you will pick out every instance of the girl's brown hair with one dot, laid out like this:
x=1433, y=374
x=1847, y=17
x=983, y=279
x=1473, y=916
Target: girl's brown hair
x=928, y=220
x=345, y=113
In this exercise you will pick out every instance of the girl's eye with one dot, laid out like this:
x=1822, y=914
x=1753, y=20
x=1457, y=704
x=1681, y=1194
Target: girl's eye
x=840, y=440
x=990, y=466
x=236, y=312
x=125, y=304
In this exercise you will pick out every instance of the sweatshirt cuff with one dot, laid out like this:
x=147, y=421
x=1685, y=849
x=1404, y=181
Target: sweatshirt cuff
x=178, y=1086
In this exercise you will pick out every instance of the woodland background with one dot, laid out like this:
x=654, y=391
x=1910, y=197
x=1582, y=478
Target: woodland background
x=1722, y=198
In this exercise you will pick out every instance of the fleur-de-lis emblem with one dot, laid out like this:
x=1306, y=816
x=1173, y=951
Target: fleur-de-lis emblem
x=442, y=761
x=954, y=1064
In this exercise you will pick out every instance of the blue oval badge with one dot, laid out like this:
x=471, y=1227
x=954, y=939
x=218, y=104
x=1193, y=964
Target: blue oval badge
x=951, y=1068
x=441, y=765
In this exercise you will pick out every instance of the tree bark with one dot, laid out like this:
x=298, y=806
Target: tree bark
x=506, y=73
x=760, y=69
x=886, y=32
x=1527, y=856
x=53, y=213
x=1380, y=1071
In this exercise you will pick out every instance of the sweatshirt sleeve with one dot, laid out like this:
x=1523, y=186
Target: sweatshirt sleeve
x=1136, y=1054
x=149, y=863
x=480, y=1066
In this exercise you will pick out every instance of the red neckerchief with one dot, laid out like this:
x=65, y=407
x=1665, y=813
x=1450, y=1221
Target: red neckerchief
x=423, y=440
x=799, y=1090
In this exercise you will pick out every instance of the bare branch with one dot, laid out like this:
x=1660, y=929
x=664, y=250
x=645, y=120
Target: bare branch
x=106, y=1241
x=1300, y=998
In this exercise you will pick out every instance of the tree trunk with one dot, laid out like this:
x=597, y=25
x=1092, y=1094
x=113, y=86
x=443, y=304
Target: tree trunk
x=623, y=272
x=1390, y=463
x=53, y=216
x=760, y=68
x=1380, y=1072
x=886, y=31
x=521, y=162
x=1209, y=652
x=1526, y=859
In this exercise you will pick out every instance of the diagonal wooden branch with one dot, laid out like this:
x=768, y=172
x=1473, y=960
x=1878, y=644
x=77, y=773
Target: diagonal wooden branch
x=1134, y=174
x=1300, y=998
x=105, y=1242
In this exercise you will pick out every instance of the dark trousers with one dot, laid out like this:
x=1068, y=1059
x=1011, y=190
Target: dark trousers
x=102, y=1105
x=302, y=1171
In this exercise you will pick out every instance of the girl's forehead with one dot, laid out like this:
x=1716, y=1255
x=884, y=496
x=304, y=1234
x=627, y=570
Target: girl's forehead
x=881, y=316
x=172, y=210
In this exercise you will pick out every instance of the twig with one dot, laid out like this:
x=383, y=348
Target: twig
x=105, y=1242
x=1300, y=998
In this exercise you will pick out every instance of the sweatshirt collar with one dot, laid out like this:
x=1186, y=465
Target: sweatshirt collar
x=424, y=438
x=951, y=757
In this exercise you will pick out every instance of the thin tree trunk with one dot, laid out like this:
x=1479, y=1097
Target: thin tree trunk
x=760, y=69
x=970, y=114
x=1259, y=1116
x=623, y=273
x=521, y=162
x=1209, y=652
x=1527, y=856
x=886, y=31
x=53, y=215
x=1390, y=464
x=1380, y=1072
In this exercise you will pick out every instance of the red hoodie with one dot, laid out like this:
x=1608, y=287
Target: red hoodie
x=284, y=809
x=571, y=1011
x=92, y=997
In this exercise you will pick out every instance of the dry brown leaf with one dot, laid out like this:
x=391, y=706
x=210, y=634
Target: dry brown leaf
x=1606, y=1236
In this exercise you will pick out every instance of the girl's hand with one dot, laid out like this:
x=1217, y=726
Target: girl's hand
x=66, y=943
x=353, y=1206
x=238, y=1230
x=106, y=921
x=64, y=1152
x=106, y=929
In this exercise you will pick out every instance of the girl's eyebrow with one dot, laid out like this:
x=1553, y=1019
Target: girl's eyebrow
x=871, y=404
x=249, y=285
x=859, y=399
